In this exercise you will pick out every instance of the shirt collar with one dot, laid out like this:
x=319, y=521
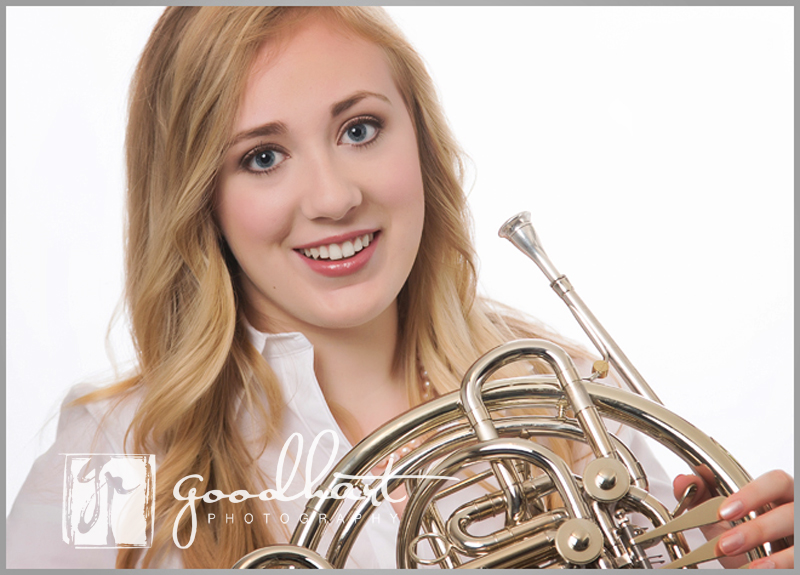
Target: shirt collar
x=275, y=345
x=291, y=357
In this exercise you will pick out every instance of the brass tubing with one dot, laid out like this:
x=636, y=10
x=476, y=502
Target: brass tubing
x=283, y=555
x=536, y=549
x=566, y=374
x=491, y=451
x=462, y=518
x=675, y=433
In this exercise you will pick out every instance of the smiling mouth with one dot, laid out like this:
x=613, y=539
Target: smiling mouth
x=338, y=251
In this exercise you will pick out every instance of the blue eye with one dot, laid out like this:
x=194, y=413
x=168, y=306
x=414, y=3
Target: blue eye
x=360, y=132
x=264, y=160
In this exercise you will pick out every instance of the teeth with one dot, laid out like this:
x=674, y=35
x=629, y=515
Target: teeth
x=347, y=249
x=339, y=251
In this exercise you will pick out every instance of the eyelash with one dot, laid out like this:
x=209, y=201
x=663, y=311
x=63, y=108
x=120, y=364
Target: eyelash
x=377, y=123
x=260, y=149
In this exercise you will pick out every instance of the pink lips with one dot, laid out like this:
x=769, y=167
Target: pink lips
x=343, y=267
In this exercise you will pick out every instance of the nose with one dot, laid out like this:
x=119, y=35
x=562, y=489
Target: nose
x=330, y=191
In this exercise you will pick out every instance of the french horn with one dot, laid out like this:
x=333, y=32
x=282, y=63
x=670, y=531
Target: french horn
x=603, y=517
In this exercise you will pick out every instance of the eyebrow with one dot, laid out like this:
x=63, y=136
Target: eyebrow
x=271, y=129
x=348, y=103
x=279, y=128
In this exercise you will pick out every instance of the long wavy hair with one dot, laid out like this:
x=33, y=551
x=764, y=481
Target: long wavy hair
x=194, y=359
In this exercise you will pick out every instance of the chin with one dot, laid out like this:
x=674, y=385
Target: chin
x=350, y=317
x=347, y=321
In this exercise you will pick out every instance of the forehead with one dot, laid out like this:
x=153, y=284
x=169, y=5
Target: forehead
x=315, y=63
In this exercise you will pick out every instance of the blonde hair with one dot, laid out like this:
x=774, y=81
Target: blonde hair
x=194, y=357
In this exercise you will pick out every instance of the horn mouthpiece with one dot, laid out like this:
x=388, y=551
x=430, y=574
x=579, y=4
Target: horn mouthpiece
x=519, y=231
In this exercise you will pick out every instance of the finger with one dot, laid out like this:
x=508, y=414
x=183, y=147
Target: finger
x=770, y=526
x=682, y=482
x=773, y=487
x=708, y=477
x=780, y=560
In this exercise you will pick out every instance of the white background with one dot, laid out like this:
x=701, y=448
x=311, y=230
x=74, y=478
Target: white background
x=653, y=145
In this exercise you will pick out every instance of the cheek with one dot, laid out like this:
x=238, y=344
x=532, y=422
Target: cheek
x=401, y=177
x=249, y=216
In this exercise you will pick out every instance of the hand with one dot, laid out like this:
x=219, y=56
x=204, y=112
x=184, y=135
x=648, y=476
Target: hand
x=775, y=488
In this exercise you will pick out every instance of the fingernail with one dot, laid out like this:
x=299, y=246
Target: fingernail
x=730, y=544
x=731, y=509
x=764, y=564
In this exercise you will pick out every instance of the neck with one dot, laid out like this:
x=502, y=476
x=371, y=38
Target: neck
x=356, y=371
x=356, y=364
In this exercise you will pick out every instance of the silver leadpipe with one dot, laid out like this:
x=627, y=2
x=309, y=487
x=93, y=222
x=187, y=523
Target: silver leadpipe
x=519, y=231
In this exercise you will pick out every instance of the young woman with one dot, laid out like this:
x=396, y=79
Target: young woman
x=298, y=260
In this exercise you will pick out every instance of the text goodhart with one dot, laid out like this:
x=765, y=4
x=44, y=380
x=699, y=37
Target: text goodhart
x=344, y=490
